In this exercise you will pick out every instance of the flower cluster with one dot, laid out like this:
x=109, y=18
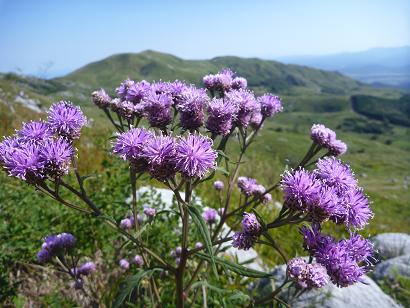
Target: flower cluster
x=346, y=261
x=40, y=149
x=329, y=192
x=129, y=222
x=307, y=275
x=163, y=156
x=250, y=187
x=251, y=229
x=137, y=260
x=326, y=138
x=210, y=216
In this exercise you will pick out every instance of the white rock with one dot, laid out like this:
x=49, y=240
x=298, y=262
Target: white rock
x=391, y=267
x=390, y=245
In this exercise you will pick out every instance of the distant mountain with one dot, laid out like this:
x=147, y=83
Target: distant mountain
x=381, y=66
x=262, y=75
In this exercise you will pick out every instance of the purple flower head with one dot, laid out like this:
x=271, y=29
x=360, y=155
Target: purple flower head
x=199, y=245
x=139, y=261
x=8, y=146
x=335, y=174
x=87, y=268
x=138, y=91
x=178, y=251
x=35, y=131
x=210, y=216
x=266, y=198
x=126, y=109
x=246, y=104
x=239, y=83
x=122, y=90
x=247, y=185
x=322, y=135
x=124, y=264
x=256, y=120
x=140, y=220
x=24, y=163
x=66, y=240
x=66, y=120
x=44, y=256
x=209, y=81
x=270, y=105
x=150, y=212
x=176, y=89
x=301, y=189
x=195, y=156
x=126, y=223
x=223, y=80
x=54, y=245
x=221, y=114
x=129, y=146
x=327, y=204
x=191, y=106
x=250, y=224
x=242, y=240
x=160, y=154
x=337, y=147
x=56, y=155
x=160, y=87
x=358, y=248
x=101, y=99
x=313, y=239
x=158, y=109
x=297, y=268
x=358, y=212
x=317, y=276
x=219, y=185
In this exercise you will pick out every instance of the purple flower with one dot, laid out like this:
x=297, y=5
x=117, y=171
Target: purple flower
x=56, y=155
x=242, y=240
x=337, y=147
x=160, y=87
x=322, y=135
x=327, y=204
x=297, y=269
x=301, y=189
x=247, y=185
x=256, y=120
x=221, y=114
x=35, y=131
x=158, y=109
x=209, y=82
x=86, y=269
x=139, y=261
x=335, y=174
x=266, y=198
x=176, y=252
x=126, y=109
x=210, y=216
x=246, y=104
x=270, y=105
x=219, y=185
x=66, y=120
x=195, y=156
x=160, y=154
x=138, y=91
x=8, y=146
x=358, y=248
x=314, y=239
x=199, y=245
x=124, y=264
x=191, y=106
x=150, y=212
x=101, y=99
x=54, y=245
x=126, y=223
x=317, y=276
x=358, y=211
x=129, y=146
x=44, y=256
x=24, y=163
x=122, y=90
x=239, y=83
x=250, y=224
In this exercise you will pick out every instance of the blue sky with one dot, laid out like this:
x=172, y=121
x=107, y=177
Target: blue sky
x=72, y=33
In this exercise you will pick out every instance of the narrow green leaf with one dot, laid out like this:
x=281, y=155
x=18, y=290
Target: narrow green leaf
x=222, y=170
x=203, y=230
x=235, y=267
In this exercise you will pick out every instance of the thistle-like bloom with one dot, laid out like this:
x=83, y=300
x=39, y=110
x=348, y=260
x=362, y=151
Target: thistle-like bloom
x=66, y=120
x=250, y=224
x=191, y=104
x=56, y=155
x=126, y=109
x=247, y=185
x=129, y=146
x=242, y=240
x=239, y=83
x=301, y=189
x=337, y=147
x=8, y=146
x=322, y=135
x=24, y=162
x=87, y=268
x=297, y=270
x=313, y=239
x=35, y=131
x=124, y=264
x=149, y=211
x=335, y=174
x=122, y=90
x=358, y=212
x=266, y=198
x=358, y=248
x=199, y=245
x=138, y=91
x=210, y=216
x=158, y=109
x=270, y=105
x=219, y=185
x=195, y=156
x=160, y=154
x=55, y=245
x=139, y=261
x=317, y=276
x=221, y=114
x=209, y=81
x=327, y=204
x=126, y=223
x=101, y=99
x=246, y=103
x=256, y=120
